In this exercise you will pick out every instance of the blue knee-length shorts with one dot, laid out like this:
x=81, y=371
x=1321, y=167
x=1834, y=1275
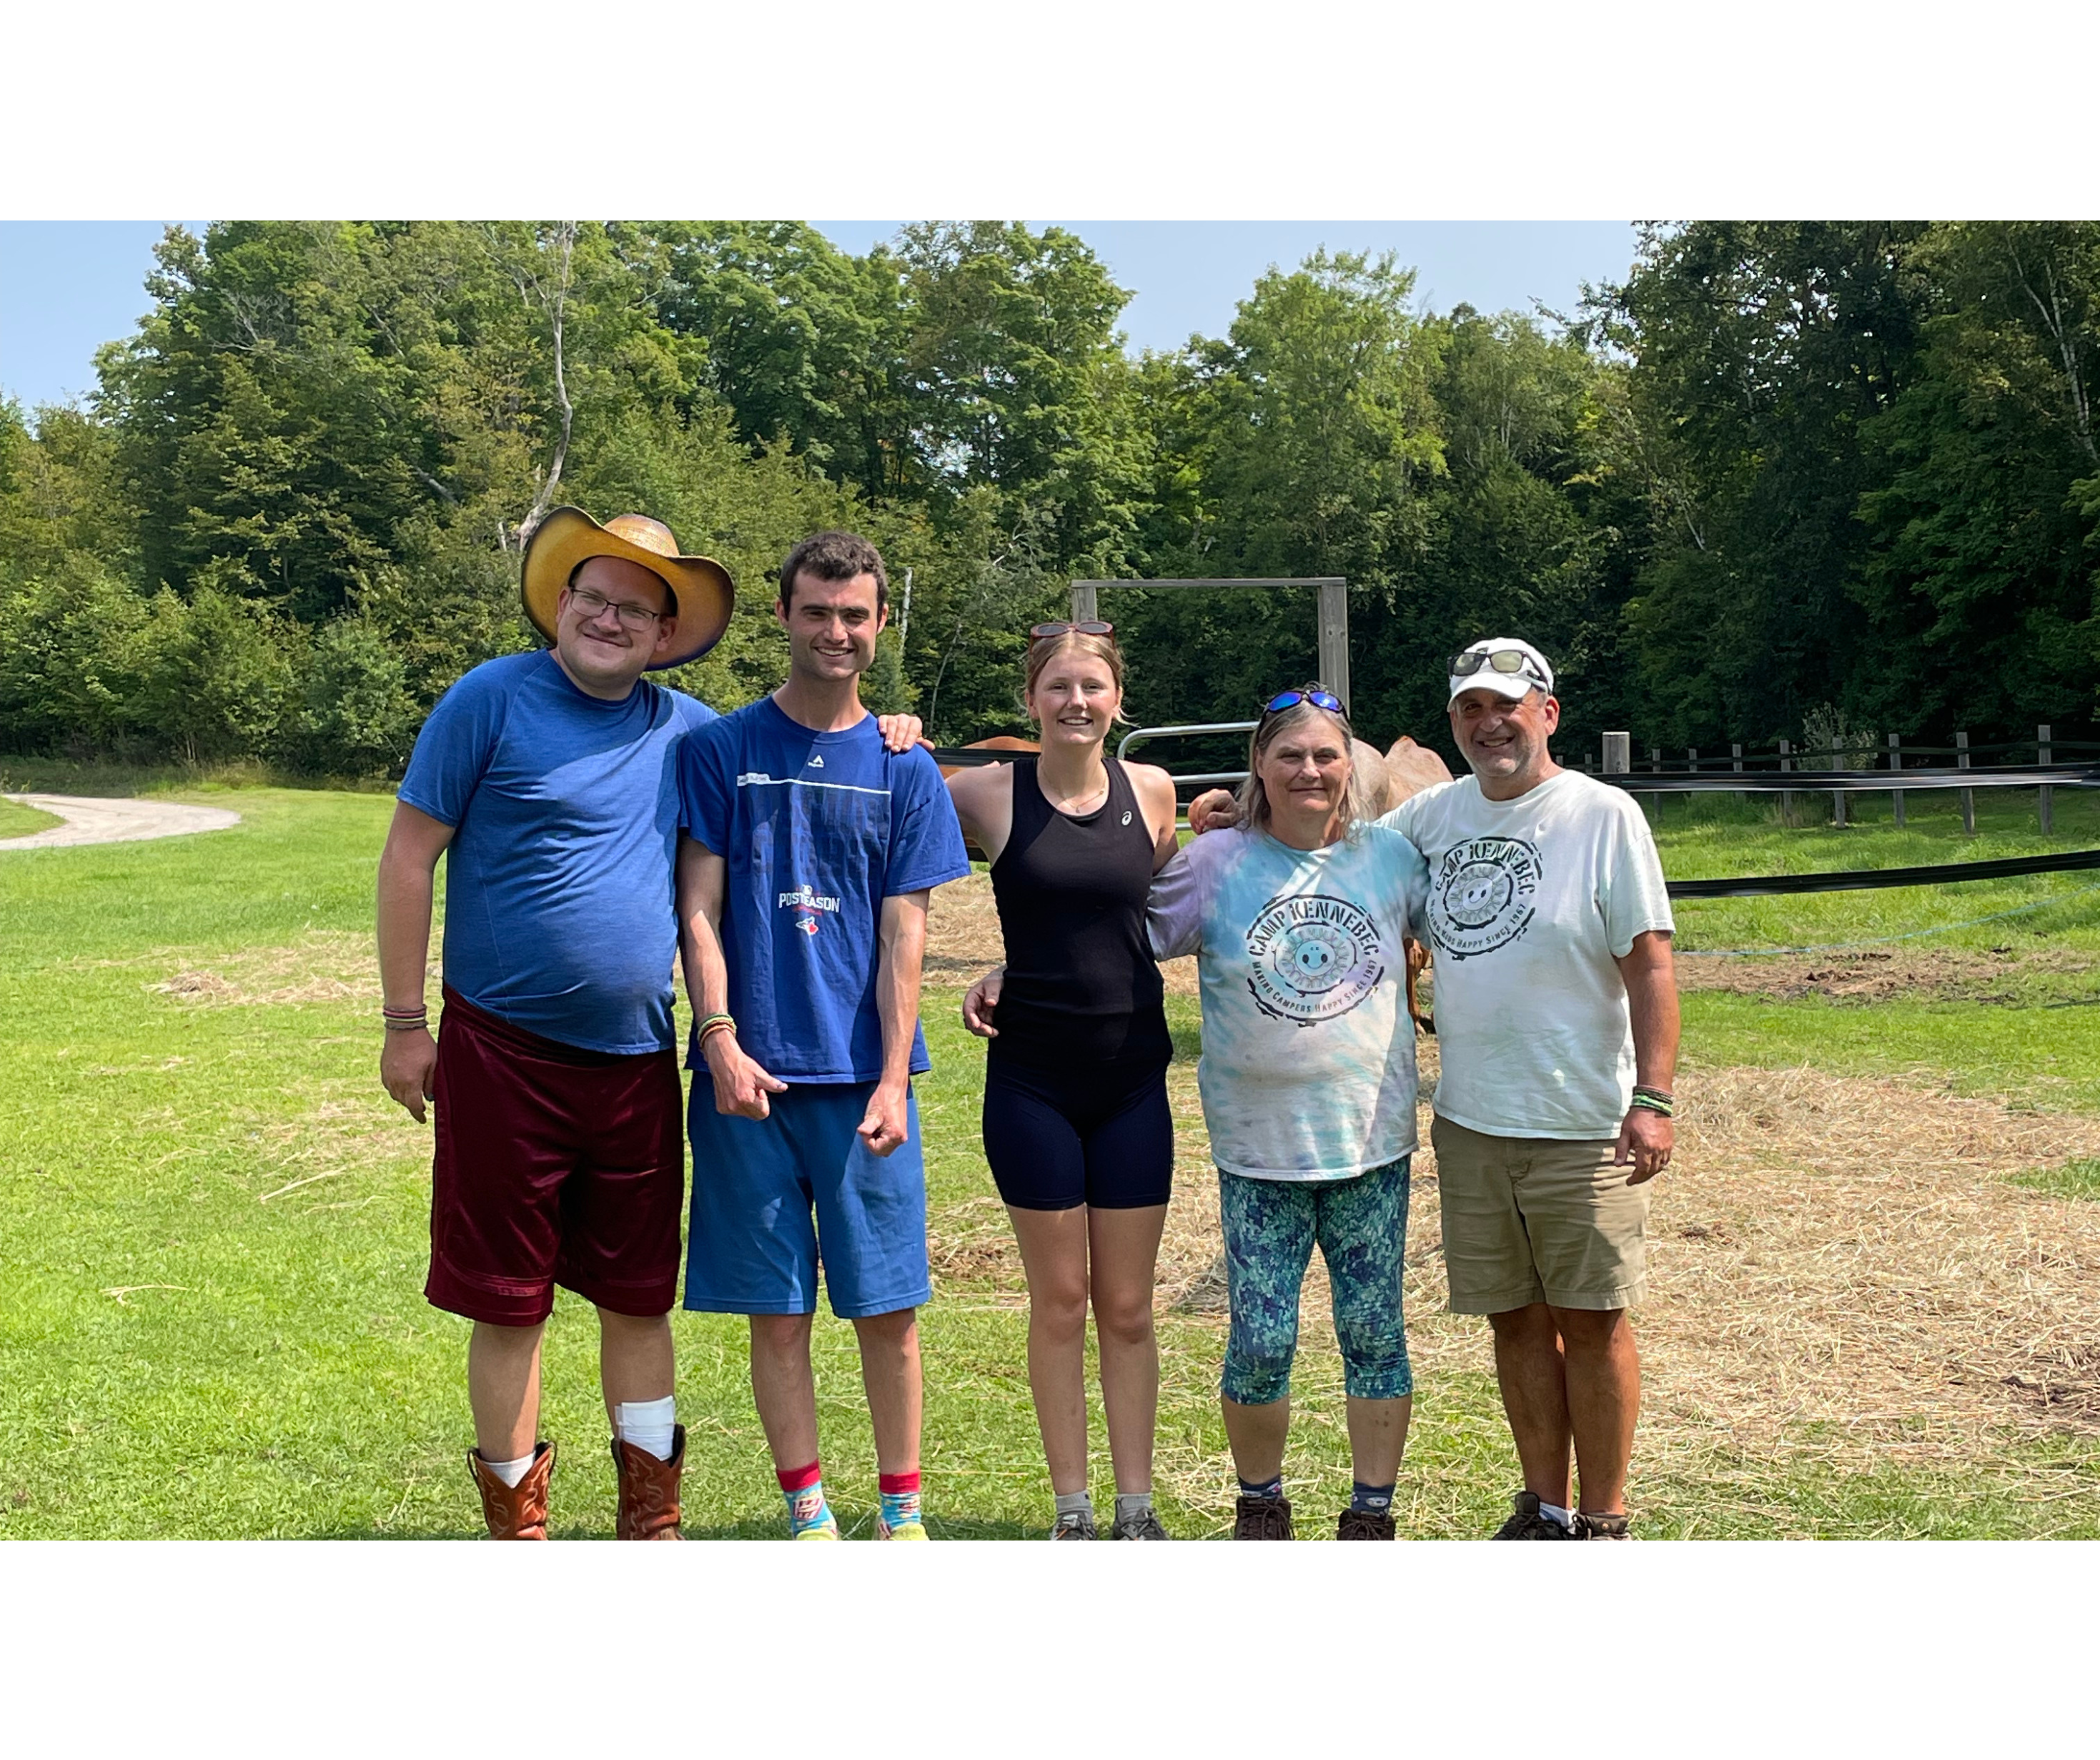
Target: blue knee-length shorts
x=775, y=1198
x=1270, y=1229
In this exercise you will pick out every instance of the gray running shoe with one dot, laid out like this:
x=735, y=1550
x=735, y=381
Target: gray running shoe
x=1529, y=1522
x=1255, y=1518
x=1076, y=1524
x=1144, y=1525
x=1589, y=1527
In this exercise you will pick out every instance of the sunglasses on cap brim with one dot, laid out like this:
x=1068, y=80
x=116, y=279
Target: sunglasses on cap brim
x=1291, y=699
x=1509, y=660
x=1051, y=632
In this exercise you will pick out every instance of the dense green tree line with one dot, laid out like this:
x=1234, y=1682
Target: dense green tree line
x=1784, y=472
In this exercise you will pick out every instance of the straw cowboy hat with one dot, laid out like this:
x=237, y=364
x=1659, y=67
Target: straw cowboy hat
x=702, y=594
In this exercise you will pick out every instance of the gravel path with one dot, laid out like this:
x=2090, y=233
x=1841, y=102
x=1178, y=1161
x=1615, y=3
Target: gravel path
x=89, y=821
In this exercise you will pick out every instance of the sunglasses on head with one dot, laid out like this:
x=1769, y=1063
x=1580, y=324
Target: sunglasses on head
x=1050, y=632
x=1291, y=699
x=1509, y=660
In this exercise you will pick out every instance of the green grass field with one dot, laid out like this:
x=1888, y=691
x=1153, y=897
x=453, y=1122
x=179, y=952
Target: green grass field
x=18, y=821
x=215, y=1226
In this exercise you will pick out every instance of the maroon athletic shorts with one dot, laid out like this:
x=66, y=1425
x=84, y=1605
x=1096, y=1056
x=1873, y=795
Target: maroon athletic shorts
x=554, y=1165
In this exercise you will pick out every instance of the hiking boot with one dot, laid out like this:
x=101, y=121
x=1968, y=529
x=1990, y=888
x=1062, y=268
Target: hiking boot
x=1589, y=1527
x=1075, y=1525
x=519, y=1511
x=648, y=1489
x=1144, y=1525
x=1529, y=1522
x=1261, y=1518
x=1365, y=1524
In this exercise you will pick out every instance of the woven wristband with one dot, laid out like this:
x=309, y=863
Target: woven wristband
x=717, y=1024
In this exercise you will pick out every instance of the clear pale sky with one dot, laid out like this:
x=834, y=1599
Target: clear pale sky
x=66, y=288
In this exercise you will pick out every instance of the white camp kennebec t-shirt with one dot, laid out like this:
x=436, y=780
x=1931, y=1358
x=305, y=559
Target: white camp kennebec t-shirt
x=1308, y=1071
x=1532, y=902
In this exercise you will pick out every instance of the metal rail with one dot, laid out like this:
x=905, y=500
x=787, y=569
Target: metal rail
x=1208, y=778
x=1850, y=781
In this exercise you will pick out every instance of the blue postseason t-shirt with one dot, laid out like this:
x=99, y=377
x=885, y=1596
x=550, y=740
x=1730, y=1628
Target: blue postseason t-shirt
x=561, y=916
x=817, y=830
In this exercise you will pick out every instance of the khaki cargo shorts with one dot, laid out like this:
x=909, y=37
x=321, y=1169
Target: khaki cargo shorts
x=1532, y=1219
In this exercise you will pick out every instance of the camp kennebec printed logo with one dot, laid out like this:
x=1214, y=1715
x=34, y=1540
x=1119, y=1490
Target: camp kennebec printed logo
x=803, y=901
x=1315, y=957
x=1481, y=897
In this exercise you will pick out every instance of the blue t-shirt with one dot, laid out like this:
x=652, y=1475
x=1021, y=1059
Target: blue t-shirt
x=560, y=912
x=817, y=830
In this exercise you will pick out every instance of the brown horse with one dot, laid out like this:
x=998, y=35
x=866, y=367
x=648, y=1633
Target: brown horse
x=1408, y=769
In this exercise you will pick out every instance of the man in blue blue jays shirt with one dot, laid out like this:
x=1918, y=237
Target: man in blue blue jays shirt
x=802, y=892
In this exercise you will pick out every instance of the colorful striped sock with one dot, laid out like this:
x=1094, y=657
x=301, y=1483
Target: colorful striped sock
x=804, y=1489
x=900, y=1498
x=1269, y=1490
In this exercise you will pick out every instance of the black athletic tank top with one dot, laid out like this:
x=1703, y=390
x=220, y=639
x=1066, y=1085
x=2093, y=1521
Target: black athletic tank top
x=1081, y=982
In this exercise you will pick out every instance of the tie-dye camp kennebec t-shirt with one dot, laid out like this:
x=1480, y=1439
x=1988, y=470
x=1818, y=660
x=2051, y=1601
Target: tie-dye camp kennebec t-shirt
x=1308, y=1071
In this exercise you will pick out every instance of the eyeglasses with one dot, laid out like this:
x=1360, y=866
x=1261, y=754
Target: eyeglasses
x=1509, y=660
x=593, y=605
x=1289, y=699
x=1050, y=632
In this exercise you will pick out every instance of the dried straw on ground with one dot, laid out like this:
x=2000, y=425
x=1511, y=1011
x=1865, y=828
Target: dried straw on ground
x=1840, y=1268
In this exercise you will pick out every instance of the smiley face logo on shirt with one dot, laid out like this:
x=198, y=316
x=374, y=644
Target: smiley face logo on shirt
x=1314, y=957
x=1481, y=895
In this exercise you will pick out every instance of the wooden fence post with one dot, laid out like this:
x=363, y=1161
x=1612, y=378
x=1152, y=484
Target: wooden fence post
x=1895, y=762
x=2043, y=805
x=1786, y=795
x=1837, y=813
x=1968, y=795
x=1618, y=753
x=1735, y=752
x=1655, y=801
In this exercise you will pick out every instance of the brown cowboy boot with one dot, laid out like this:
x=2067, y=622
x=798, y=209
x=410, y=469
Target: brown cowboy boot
x=649, y=1490
x=519, y=1511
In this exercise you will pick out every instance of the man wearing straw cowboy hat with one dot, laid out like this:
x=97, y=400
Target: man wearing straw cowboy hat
x=550, y=778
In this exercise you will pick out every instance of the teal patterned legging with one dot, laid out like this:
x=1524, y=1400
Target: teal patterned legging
x=1270, y=1226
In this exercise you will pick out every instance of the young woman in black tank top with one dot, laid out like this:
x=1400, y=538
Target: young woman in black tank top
x=1077, y=1126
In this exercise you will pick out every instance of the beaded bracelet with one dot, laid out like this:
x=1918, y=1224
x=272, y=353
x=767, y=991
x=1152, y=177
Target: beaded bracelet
x=1660, y=1104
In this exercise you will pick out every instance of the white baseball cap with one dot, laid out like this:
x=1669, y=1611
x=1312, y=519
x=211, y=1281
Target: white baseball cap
x=1507, y=666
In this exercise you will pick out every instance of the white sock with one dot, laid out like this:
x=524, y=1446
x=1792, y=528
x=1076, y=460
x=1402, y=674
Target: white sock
x=510, y=1472
x=1554, y=1511
x=648, y=1424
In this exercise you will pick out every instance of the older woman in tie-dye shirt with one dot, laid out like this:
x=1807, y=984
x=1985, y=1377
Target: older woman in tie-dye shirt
x=1298, y=920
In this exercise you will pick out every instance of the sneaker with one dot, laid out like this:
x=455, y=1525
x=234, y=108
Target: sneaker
x=1589, y=1527
x=1528, y=1522
x=1365, y=1524
x=1144, y=1525
x=826, y=1529
x=904, y=1530
x=1256, y=1518
x=1075, y=1525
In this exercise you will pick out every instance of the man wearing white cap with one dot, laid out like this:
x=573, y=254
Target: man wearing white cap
x=1556, y=1020
x=1557, y=1024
